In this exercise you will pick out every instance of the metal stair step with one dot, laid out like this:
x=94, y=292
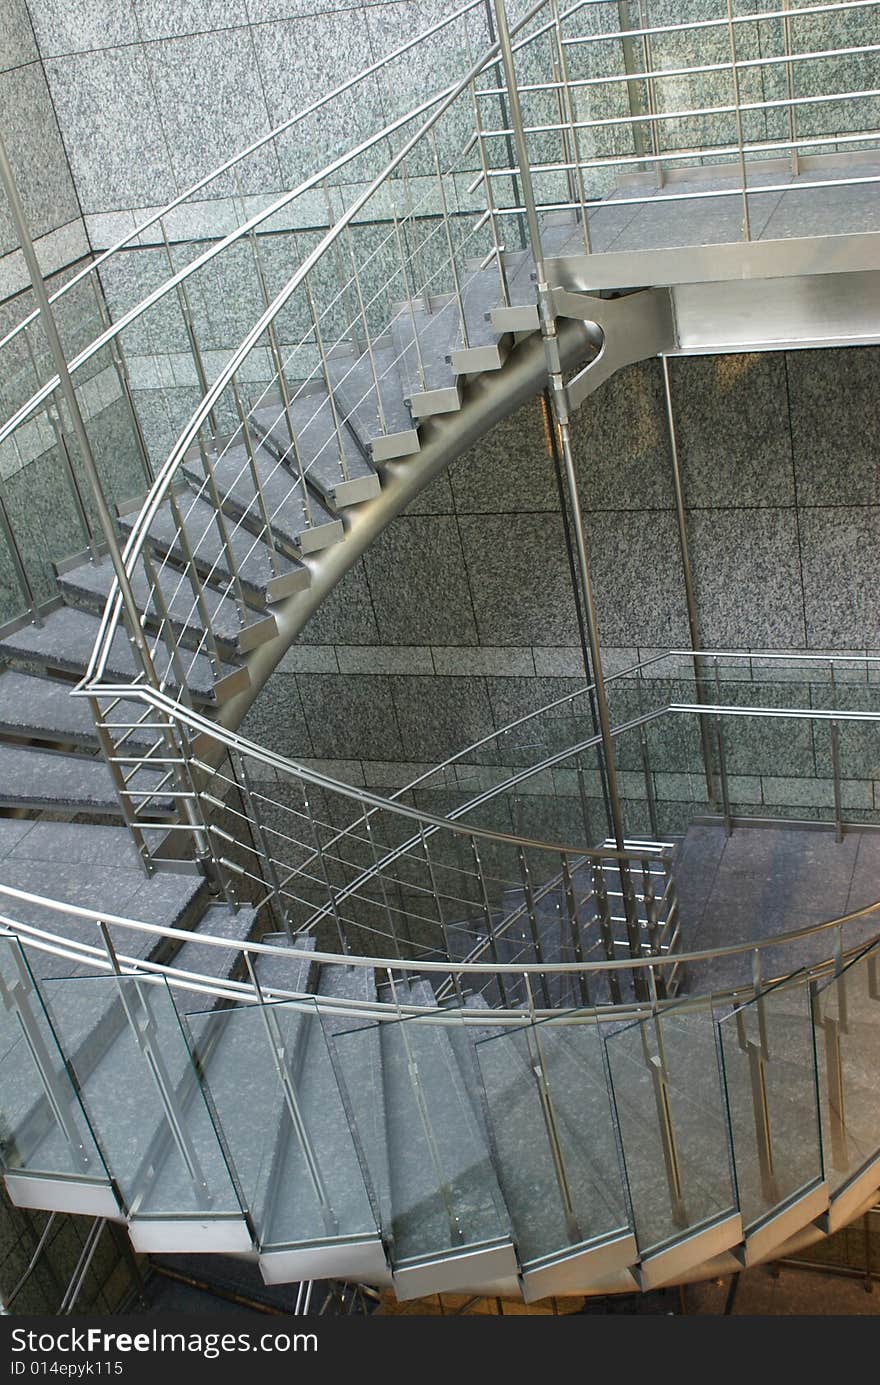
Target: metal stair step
x=341, y=1217
x=265, y=577
x=88, y=585
x=67, y=636
x=299, y=522
x=32, y=778
x=422, y=342
x=450, y=1226
x=43, y=709
x=318, y=448
x=219, y=963
x=354, y=388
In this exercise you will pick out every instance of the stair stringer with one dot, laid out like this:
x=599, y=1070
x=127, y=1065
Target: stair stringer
x=487, y=399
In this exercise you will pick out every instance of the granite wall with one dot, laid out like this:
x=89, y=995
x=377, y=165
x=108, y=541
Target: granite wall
x=460, y=617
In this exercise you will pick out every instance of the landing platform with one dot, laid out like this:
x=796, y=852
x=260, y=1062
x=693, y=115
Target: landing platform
x=764, y=881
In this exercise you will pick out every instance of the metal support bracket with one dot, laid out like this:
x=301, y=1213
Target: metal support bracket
x=628, y=329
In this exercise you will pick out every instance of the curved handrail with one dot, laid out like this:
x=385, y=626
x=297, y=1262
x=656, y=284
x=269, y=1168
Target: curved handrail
x=162, y=484
x=227, y=989
x=235, y=159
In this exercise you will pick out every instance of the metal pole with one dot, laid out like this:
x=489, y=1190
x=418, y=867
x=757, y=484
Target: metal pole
x=690, y=593
x=85, y=449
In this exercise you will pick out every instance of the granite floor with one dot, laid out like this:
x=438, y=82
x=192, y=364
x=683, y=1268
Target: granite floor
x=762, y=882
x=707, y=209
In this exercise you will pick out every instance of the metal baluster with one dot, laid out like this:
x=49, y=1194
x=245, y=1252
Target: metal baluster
x=606, y=931
x=569, y=115
x=322, y=865
x=380, y=408
x=734, y=72
x=450, y=248
x=222, y=530
x=487, y=918
x=196, y=586
x=274, y=345
x=452, y=1216
x=649, y=92
x=548, y=1113
x=53, y=411
x=16, y=999
x=574, y=924
x=167, y=632
x=497, y=247
x=408, y=299
x=190, y=327
x=265, y=859
x=124, y=381
x=435, y=894
x=288, y=1090
x=631, y=65
x=145, y=1031
x=789, y=79
x=392, y=928
x=267, y=537
x=656, y=1065
x=529, y=897
x=835, y=762
x=325, y=370
x=722, y=763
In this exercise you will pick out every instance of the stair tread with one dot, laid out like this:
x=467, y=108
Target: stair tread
x=44, y=778
x=317, y=442
x=66, y=639
x=296, y=1214
x=92, y=581
x=355, y=391
x=285, y=973
x=217, y=962
x=421, y=1215
x=43, y=709
x=252, y=556
x=296, y=515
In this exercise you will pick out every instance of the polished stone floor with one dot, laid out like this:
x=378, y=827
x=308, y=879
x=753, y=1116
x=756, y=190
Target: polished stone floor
x=762, y=882
x=781, y=204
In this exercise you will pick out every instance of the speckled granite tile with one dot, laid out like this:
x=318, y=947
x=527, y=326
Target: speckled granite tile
x=839, y=557
x=107, y=109
x=351, y=717
x=158, y=19
x=833, y=396
x=346, y=615
x=519, y=577
x=419, y=583
x=17, y=44
x=508, y=469
x=728, y=411
x=276, y=719
x=210, y=101
x=71, y=26
x=36, y=153
x=620, y=443
x=292, y=59
x=747, y=577
x=439, y=716
x=636, y=569
x=385, y=659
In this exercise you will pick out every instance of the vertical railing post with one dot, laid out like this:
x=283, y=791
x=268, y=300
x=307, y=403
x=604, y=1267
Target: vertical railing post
x=737, y=102
x=690, y=591
x=789, y=82
x=561, y=432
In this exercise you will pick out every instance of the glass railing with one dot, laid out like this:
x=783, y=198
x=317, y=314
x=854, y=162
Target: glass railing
x=143, y=1098
x=272, y=1089
x=769, y=1064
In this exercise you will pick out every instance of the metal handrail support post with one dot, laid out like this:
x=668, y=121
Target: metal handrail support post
x=130, y=609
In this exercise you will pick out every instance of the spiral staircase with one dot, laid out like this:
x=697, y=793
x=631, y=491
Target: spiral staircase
x=331, y=1031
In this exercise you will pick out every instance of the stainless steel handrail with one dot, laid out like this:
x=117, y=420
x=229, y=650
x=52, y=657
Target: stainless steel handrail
x=159, y=491
x=93, y=952
x=235, y=159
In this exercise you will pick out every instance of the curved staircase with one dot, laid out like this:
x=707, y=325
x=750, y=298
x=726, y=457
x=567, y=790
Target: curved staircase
x=527, y=1104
